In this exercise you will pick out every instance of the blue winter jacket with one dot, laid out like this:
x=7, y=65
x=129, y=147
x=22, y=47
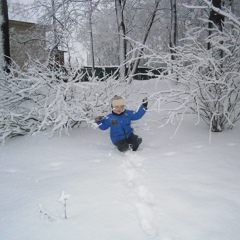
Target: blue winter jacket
x=120, y=125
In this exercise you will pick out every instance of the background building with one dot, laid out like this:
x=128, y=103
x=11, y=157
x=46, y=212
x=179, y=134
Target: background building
x=27, y=41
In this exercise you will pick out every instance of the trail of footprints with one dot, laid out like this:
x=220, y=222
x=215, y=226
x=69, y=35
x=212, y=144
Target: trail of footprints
x=144, y=198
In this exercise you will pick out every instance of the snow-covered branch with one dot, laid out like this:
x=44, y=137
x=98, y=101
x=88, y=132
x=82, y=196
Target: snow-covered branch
x=199, y=80
x=210, y=5
x=45, y=97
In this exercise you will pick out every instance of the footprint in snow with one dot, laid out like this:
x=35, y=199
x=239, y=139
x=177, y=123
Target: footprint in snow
x=134, y=159
x=96, y=161
x=131, y=177
x=169, y=154
x=145, y=195
x=147, y=219
x=198, y=146
x=232, y=144
x=132, y=164
x=55, y=165
x=11, y=170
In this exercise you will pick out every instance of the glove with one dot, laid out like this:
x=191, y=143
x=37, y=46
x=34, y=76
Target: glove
x=145, y=102
x=98, y=119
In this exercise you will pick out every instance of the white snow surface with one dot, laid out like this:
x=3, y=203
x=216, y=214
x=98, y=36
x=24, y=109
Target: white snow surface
x=180, y=188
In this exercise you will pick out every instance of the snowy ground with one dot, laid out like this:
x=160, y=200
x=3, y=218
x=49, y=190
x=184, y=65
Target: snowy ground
x=181, y=188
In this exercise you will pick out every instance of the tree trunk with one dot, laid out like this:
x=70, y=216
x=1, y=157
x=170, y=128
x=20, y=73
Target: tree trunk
x=92, y=6
x=5, y=32
x=119, y=7
x=54, y=51
x=218, y=20
x=92, y=48
x=173, y=28
x=140, y=51
x=215, y=18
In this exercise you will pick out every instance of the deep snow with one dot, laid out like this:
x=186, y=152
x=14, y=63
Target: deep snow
x=180, y=188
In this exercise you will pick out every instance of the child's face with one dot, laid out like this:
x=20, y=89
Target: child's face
x=119, y=109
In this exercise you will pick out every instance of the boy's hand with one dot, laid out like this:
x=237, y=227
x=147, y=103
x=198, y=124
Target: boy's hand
x=145, y=102
x=99, y=118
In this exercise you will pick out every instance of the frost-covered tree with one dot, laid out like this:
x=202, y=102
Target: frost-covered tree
x=136, y=19
x=145, y=22
x=42, y=97
x=62, y=20
x=106, y=36
x=208, y=85
x=138, y=54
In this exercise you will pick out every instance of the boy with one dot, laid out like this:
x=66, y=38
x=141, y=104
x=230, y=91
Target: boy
x=119, y=122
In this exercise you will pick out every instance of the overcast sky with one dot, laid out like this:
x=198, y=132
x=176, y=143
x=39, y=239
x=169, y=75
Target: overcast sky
x=21, y=1
x=20, y=16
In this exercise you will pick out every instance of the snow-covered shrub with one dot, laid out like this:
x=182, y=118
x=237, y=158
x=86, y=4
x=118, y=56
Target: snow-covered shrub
x=63, y=199
x=15, y=118
x=205, y=81
x=40, y=97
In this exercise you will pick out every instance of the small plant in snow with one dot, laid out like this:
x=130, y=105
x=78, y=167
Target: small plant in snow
x=63, y=199
x=46, y=215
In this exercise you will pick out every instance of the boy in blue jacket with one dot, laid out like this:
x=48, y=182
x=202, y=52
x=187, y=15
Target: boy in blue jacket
x=119, y=122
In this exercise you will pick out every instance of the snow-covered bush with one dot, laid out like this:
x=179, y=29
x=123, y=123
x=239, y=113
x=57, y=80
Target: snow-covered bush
x=206, y=81
x=40, y=97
